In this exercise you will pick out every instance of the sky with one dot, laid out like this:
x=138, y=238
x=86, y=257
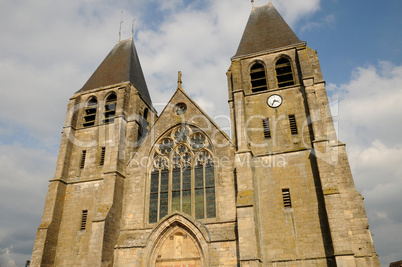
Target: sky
x=49, y=49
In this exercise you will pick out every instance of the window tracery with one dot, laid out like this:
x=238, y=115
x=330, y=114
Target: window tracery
x=182, y=175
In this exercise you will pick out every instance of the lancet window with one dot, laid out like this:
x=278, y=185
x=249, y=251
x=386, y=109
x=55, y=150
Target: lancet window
x=90, y=112
x=284, y=73
x=258, y=78
x=110, y=108
x=183, y=175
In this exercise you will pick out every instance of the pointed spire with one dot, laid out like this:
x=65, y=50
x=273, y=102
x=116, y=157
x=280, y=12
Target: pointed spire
x=179, y=81
x=121, y=65
x=265, y=30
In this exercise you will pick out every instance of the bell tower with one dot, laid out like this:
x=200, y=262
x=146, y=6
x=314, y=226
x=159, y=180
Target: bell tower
x=105, y=122
x=296, y=200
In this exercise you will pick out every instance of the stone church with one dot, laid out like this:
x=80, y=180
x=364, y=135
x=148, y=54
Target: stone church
x=134, y=188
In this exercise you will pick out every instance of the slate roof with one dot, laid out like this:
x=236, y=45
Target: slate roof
x=121, y=65
x=265, y=30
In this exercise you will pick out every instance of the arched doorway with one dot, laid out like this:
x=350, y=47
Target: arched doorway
x=178, y=249
x=178, y=241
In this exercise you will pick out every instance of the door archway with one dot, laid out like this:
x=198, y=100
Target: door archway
x=178, y=242
x=179, y=249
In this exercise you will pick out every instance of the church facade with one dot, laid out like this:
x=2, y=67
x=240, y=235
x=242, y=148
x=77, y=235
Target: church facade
x=134, y=188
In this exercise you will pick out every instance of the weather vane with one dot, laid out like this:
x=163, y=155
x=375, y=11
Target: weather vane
x=121, y=22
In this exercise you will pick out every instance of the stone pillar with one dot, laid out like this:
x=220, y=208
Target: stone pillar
x=44, y=251
x=247, y=226
x=106, y=223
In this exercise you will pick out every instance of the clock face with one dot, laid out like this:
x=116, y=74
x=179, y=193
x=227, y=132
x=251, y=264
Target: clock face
x=274, y=101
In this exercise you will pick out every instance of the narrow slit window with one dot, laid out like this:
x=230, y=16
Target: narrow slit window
x=258, y=78
x=293, y=125
x=102, y=156
x=83, y=156
x=284, y=74
x=110, y=108
x=90, y=112
x=286, y=198
x=267, y=130
x=84, y=218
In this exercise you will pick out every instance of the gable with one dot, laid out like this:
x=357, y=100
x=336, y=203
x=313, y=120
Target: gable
x=193, y=117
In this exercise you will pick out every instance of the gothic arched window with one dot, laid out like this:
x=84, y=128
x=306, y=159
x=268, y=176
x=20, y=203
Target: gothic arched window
x=258, y=78
x=110, y=108
x=284, y=73
x=90, y=112
x=182, y=175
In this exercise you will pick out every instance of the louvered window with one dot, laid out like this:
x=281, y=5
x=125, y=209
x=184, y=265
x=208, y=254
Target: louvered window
x=267, y=130
x=102, y=156
x=84, y=217
x=83, y=156
x=258, y=78
x=292, y=123
x=286, y=198
x=284, y=74
x=90, y=112
x=110, y=108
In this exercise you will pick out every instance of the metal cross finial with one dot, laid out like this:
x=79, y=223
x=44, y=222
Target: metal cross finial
x=121, y=22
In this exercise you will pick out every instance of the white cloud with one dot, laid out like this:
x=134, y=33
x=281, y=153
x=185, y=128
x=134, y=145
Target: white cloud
x=294, y=10
x=24, y=176
x=200, y=43
x=372, y=100
x=6, y=259
x=328, y=20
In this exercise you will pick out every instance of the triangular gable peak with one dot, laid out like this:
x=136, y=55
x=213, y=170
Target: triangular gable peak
x=182, y=110
x=189, y=113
